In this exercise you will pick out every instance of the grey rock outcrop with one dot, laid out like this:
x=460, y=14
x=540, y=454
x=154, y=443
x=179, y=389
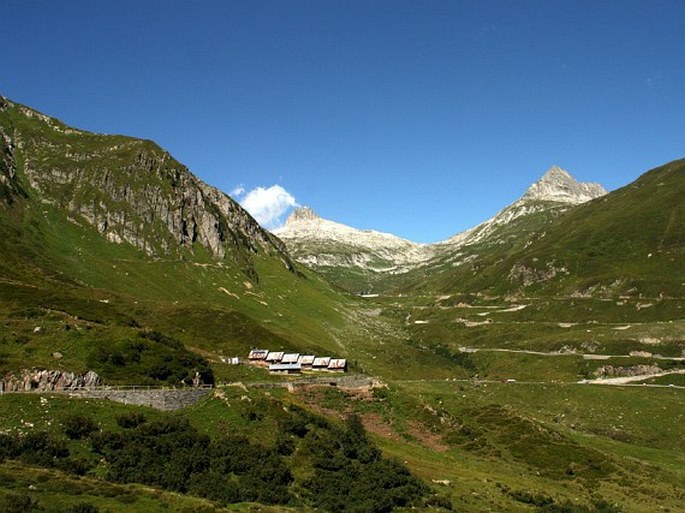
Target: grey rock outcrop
x=559, y=186
x=321, y=243
x=525, y=275
x=302, y=215
x=633, y=370
x=48, y=380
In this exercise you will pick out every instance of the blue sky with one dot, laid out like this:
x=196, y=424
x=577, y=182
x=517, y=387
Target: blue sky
x=419, y=118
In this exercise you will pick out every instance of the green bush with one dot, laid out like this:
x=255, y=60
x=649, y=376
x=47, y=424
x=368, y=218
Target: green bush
x=131, y=419
x=150, y=358
x=171, y=454
x=351, y=474
x=598, y=506
x=82, y=507
x=9, y=446
x=40, y=448
x=18, y=503
x=77, y=427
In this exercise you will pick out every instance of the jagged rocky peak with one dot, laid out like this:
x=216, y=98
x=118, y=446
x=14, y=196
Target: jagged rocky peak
x=559, y=186
x=302, y=215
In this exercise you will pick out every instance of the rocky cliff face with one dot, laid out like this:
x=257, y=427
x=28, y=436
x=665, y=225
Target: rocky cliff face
x=322, y=243
x=129, y=189
x=10, y=188
x=45, y=380
x=559, y=186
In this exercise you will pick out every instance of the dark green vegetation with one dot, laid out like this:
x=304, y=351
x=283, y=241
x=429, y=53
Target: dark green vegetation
x=114, y=258
x=152, y=358
x=286, y=455
x=495, y=446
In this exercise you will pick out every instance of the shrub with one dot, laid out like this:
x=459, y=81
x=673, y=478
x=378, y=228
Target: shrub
x=18, y=503
x=82, y=507
x=131, y=419
x=77, y=427
x=9, y=446
x=39, y=448
x=351, y=474
x=78, y=466
x=149, y=358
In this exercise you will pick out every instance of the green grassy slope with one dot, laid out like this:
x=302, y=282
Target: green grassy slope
x=65, y=288
x=628, y=242
x=632, y=241
x=542, y=444
x=55, y=274
x=503, y=447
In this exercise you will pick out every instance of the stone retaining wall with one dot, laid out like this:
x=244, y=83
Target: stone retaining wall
x=168, y=400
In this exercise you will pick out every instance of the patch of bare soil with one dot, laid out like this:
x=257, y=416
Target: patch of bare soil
x=431, y=440
x=374, y=423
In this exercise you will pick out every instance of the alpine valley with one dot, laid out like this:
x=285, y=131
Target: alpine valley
x=534, y=363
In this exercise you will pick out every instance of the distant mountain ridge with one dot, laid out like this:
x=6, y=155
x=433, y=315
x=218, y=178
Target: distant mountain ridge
x=339, y=251
x=377, y=251
x=556, y=191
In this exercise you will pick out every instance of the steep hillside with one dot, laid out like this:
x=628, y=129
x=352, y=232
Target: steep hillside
x=106, y=237
x=129, y=189
x=628, y=242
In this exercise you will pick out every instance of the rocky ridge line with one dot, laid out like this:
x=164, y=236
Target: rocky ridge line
x=559, y=186
x=129, y=189
x=318, y=242
x=556, y=190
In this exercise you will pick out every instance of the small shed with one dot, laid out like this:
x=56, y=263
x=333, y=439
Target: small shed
x=306, y=360
x=274, y=356
x=321, y=362
x=337, y=365
x=285, y=368
x=257, y=354
x=290, y=358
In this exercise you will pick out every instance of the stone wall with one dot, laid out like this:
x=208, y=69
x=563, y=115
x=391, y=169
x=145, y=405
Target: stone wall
x=166, y=399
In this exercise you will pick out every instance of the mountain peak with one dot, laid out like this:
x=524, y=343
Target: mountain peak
x=302, y=215
x=556, y=173
x=559, y=186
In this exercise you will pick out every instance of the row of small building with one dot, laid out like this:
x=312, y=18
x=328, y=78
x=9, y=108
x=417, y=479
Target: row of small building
x=280, y=362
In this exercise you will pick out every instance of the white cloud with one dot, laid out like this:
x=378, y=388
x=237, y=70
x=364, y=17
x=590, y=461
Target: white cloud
x=239, y=190
x=268, y=205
